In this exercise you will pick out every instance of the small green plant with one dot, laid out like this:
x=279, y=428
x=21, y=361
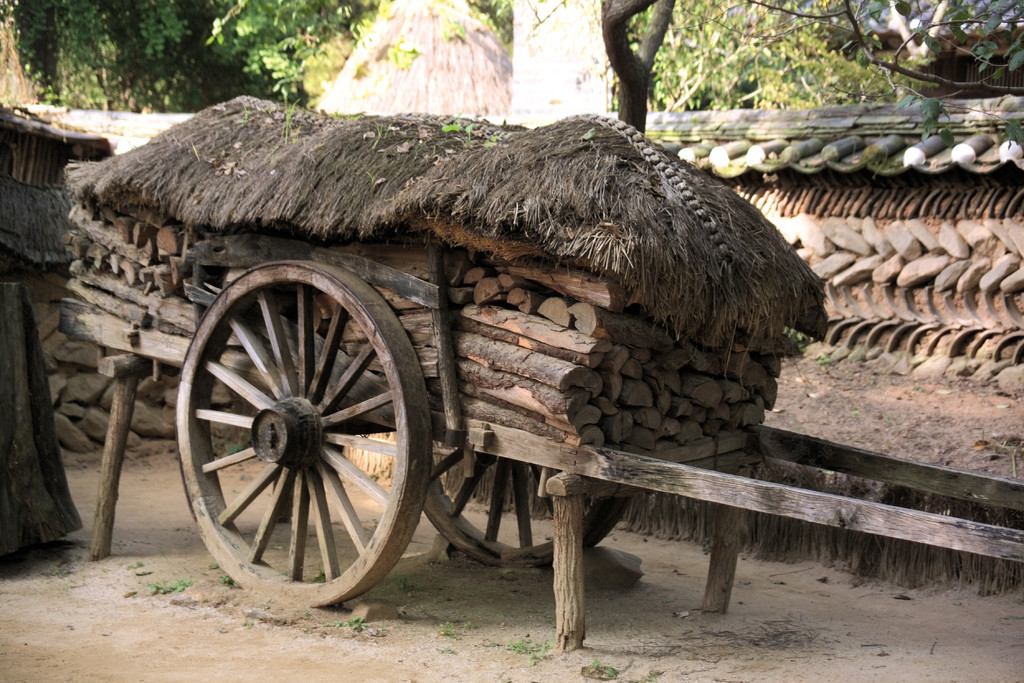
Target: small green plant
x=227, y=580
x=446, y=651
x=291, y=129
x=357, y=624
x=249, y=624
x=824, y=361
x=525, y=646
x=598, y=671
x=176, y=586
x=450, y=630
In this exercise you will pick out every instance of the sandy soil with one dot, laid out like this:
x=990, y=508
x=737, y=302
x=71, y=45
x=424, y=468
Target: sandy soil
x=65, y=618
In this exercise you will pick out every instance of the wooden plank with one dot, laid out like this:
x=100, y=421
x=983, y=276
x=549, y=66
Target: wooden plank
x=250, y=249
x=947, y=481
x=758, y=496
x=85, y=322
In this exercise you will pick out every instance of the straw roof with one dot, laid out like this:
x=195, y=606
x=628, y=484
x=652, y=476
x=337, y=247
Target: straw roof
x=33, y=225
x=587, y=192
x=425, y=56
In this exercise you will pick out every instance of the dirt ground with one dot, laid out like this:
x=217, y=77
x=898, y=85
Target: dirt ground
x=65, y=618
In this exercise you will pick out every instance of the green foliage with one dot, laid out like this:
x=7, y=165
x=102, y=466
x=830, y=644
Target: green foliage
x=279, y=41
x=176, y=586
x=451, y=630
x=357, y=624
x=727, y=56
x=598, y=671
x=129, y=55
x=525, y=646
x=802, y=53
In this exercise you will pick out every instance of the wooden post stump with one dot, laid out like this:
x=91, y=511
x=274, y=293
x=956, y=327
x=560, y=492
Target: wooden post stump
x=570, y=627
x=126, y=371
x=727, y=530
x=568, y=493
x=35, y=504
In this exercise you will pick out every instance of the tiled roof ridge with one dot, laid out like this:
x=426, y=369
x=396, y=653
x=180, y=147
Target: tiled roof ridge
x=878, y=137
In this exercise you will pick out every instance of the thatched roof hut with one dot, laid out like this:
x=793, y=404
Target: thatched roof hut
x=33, y=204
x=586, y=192
x=425, y=56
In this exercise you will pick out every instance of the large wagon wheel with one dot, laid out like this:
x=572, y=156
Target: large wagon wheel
x=313, y=360
x=509, y=482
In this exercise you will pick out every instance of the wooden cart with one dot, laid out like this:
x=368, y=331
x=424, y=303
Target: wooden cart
x=297, y=355
x=319, y=366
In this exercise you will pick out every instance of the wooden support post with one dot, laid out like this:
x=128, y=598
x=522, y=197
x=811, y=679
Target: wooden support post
x=727, y=531
x=126, y=370
x=568, y=569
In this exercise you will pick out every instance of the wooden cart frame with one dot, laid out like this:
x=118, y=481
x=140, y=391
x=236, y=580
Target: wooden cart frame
x=321, y=400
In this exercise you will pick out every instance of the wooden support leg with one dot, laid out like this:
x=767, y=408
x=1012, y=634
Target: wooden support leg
x=727, y=530
x=126, y=371
x=568, y=565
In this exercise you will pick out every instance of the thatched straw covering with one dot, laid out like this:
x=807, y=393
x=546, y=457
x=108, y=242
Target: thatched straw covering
x=32, y=226
x=425, y=56
x=587, y=192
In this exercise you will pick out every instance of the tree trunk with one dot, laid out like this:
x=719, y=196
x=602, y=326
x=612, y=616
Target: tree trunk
x=633, y=68
x=35, y=505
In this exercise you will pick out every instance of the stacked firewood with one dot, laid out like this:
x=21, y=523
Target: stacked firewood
x=550, y=351
x=132, y=267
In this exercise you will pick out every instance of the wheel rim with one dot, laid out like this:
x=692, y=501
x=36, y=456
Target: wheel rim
x=509, y=535
x=313, y=361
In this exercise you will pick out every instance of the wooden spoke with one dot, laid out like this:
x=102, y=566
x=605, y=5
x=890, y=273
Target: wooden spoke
x=228, y=460
x=246, y=497
x=355, y=476
x=347, y=511
x=225, y=418
x=322, y=521
x=449, y=461
x=348, y=378
x=358, y=409
x=239, y=385
x=501, y=472
x=300, y=525
x=253, y=346
x=521, y=498
x=466, y=490
x=307, y=334
x=362, y=443
x=278, y=341
x=329, y=354
x=271, y=516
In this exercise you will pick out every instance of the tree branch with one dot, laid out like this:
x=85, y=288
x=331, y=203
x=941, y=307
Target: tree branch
x=655, y=34
x=895, y=67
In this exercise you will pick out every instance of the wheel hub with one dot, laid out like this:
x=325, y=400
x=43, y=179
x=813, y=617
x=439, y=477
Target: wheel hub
x=289, y=434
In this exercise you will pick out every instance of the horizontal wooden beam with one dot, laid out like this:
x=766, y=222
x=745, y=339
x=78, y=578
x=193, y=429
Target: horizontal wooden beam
x=814, y=452
x=759, y=496
x=250, y=249
x=86, y=322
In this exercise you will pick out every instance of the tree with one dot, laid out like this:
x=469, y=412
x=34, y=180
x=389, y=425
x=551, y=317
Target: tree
x=129, y=54
x=633, y=68
x=719, y=56
x=987, y=33
x=799, y=53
